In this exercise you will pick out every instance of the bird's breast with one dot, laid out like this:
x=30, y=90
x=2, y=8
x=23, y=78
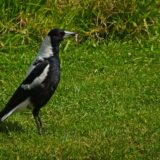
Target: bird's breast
x=53, y=77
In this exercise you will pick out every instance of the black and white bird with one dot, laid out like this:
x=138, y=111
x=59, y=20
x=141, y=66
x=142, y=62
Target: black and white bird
x=41, y=80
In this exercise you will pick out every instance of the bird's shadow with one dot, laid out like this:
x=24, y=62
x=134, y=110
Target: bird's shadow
x=7, y=127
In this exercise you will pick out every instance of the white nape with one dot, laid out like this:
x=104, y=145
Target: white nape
x=46, y=48
x=44, y=52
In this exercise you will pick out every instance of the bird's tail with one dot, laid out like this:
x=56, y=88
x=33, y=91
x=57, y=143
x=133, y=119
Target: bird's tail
x=19, y=100
x=2, y=115
x=9, y=109
x=6, y=113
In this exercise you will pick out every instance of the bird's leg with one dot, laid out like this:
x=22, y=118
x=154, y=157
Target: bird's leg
x=38, y=124
x=38, y=121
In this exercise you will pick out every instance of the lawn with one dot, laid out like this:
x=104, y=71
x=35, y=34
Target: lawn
x=106, y=105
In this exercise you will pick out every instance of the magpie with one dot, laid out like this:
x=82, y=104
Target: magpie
x=41, y=80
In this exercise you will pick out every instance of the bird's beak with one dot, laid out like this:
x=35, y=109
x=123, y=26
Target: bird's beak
x=68, y=34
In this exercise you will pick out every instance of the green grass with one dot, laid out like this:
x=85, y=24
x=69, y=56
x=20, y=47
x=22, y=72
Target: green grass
x=106, y=106
x=94, y=18
x=107, y=103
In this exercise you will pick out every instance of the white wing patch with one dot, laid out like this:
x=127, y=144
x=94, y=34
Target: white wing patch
x=22, y=105
x=38, y=80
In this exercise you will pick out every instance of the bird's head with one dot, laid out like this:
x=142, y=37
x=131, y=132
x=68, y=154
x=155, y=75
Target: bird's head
x=57, y=35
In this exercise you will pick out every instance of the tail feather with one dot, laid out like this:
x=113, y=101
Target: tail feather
x=20, y=99
x=4, y=114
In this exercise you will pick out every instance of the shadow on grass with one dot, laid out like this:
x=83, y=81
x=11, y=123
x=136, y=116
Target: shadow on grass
x=7, y=127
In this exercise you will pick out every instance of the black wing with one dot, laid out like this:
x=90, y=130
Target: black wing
x=22, y=94
x=36, y=72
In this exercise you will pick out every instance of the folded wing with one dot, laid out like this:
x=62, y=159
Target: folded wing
x=21, y=97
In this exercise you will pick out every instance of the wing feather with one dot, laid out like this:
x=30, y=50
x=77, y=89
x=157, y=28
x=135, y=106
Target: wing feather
x=37, y=75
